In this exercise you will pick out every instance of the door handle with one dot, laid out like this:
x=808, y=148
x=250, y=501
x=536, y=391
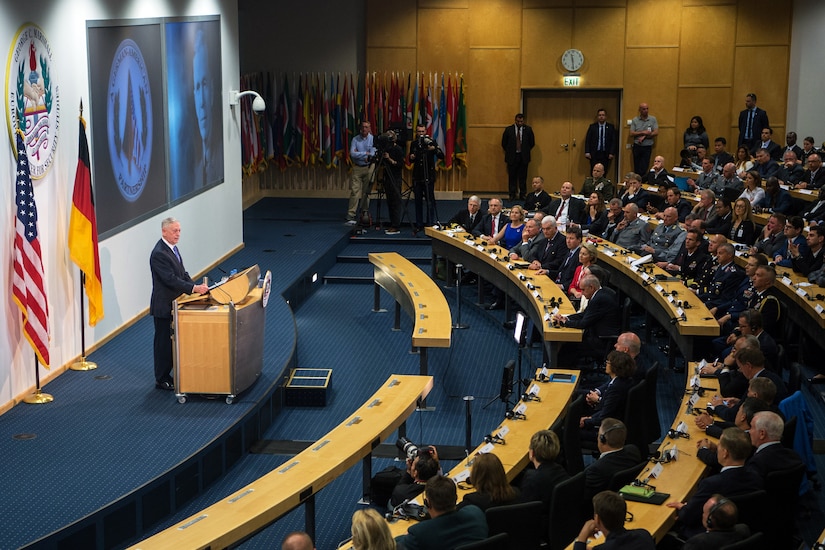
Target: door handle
x=574, y=142
x=565, y=146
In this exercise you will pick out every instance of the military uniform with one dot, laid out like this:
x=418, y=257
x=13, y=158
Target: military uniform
x=602, y=185
x=690, y=266
x=666, y=242
x=723, y=284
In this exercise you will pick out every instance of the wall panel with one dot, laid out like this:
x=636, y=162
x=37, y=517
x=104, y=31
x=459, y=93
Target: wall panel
x=764, y=71
x=547, y=34
x=391, y=24
x=486, y=172
x=492, y=87
x=704, y=62
x=763, y=22
x=443, y=44
x=653, y=23
x=495, y=23
x=392, y=59
x=599, y=33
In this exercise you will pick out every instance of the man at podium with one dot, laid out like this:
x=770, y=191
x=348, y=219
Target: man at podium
x=169, y=280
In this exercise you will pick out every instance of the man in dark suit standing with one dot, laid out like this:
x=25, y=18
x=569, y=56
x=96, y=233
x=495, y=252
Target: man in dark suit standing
x=733, y=450
x=169, y=280
x=601, y=143
x=468, y=218
x=517, y=141
x=614, y=456
x=751, y=121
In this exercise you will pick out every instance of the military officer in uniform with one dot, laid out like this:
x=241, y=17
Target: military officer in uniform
x=725, y=279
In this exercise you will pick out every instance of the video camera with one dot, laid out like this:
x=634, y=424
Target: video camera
x=383, y=143
x=411, y=449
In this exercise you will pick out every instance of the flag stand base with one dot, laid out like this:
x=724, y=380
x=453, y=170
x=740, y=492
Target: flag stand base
x=38, y=398
x=83, y=365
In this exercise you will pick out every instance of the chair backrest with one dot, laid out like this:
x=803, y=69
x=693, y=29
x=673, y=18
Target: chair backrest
x=751, y=508
x=626, y=307
x=623, y=477
x=496, y=542
x=789, y=433
x=782, y=487
x=654, y=428
x=794, y=378
x=571, y=442
x=634, y=416
x=522, y=522
x=754, y=542
x=566, y=511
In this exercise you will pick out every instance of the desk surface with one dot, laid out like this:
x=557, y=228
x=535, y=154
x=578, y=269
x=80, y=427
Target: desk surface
x=496, y=260
x=678, y=478
x=555, y=397
x=276, y=493
x=420, y=296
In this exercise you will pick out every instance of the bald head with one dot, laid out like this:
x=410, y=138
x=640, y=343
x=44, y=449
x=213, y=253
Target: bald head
x=297, y=540
x=629, y=343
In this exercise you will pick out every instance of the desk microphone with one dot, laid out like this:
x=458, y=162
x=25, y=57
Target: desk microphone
x=513, y=415
x=530, y=397
x=494, y=438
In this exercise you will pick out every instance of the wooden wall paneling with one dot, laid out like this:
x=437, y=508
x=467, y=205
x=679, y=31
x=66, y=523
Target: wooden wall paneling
x=443, y=43
x=691, y=3
x=492, y=87
x=528, y=4
x=495, y=24
x=391, y=60
x=547, y=34
x=442, y=3
x=650, y=77
x=486, y=173
x=763, y=71
x=390, y=24
x=713, y=105
x=600, y=33
x=653, y=23
x=707, y=45
x=763, y=22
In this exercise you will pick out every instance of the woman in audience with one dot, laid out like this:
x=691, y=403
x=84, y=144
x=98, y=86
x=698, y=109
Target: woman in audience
x=510, y=235
x=490, y=484
x=808, y=148
x=742, y=229
x=753, y=189
x=695, y=135
x=596, y=219
x=610, y=399
x=370, y=531
x=587, y=257
x=744, y=161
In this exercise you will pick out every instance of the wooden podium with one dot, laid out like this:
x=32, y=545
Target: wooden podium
x=218, y=338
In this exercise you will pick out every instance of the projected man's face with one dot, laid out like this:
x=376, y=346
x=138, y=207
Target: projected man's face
x=204, y=94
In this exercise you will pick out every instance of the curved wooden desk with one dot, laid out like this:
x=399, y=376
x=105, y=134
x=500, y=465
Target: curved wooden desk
x=417, y=294
x=679, y=478
x=667, y=299
x=555, y=397
x=263, y=501
x=492, y=264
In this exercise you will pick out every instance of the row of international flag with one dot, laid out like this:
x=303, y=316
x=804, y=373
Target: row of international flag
x=311, y=118
x=28, y=288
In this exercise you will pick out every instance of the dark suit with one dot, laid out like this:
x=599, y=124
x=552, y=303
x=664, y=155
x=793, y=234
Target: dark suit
x=485, y=501
x=773, y=148
x=600, y=155
x=760, y=120
x=575, y=210
x=446, y=531
x=730, y=482
x=538, y=483
x=814, y=180
x=600, y=318
x=720, y=224
x=537, y=200
x=808, y=261
x=634, y=539
x=660, y=179
x=612, y=403
x=597, y=476
x=517, y=161
x=641, y=199
x=169, y=280
x=552, y=254
x=528, y=250
x=713, y=540
x=597, y=226
x=690, y=265
x=815, y=211
x=781, y=202
x=729, y=413
x=462, y=218
x=567, y=268
x=485, y=227
x=775, y=457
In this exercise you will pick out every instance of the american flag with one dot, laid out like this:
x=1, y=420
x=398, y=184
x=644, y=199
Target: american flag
x=29, y=290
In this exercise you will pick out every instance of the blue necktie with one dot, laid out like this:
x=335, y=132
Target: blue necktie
x=177, y=254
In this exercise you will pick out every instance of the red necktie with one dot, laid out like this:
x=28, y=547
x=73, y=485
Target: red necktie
x=493, y=229
x=561, y=209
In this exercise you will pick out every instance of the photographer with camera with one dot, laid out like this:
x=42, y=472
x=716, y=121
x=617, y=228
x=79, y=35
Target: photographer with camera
x=391, y=155
x=424, y=154
x=422, y=464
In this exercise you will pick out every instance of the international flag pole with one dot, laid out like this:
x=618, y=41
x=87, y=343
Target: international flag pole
x=38, y=397
x=83, y=245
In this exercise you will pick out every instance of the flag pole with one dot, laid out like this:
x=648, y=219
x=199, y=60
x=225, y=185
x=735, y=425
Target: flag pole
x=38, y=397
x=82, y=364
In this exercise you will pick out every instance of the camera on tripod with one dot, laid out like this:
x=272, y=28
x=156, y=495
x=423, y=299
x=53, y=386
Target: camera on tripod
x=382, y=143
x=411, y=449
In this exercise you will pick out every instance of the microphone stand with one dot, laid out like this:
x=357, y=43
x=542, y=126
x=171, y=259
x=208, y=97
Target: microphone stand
x=458, y=275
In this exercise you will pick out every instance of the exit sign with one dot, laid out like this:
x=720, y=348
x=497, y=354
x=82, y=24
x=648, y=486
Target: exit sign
x=572, y=81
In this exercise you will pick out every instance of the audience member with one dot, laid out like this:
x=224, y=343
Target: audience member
x=468, y=218
x=538, y=199
x=510, y=234
x=361, y=150
x=814, y=212
x=667, y=239
x=722, y=219
x=794, y=243
x=771, y=239
x=689, y=260
x=297, y=540
x=725, y=279
x=751, y=363
x=550, y=256
x=658, y=175
x=643, y=129
x=766, y=432
x=719, y=516
x=543, y=473
x=742, y=229
x=771, y=147
x=790, y=145
x=634, y=192
x=567, y=209
x=609, y=516
x=531, y=242
x=776, y=199
x=767, y=167
x=614, y=456
x=707, y=178
x=744, y=161
x=695, y=134
x=570, y=262
x=808, y=148
x=806, y=261
x=706, y=207
x=615, y=214
x=728, y=184
x=489, y=484
x=492, y=222
x=753, y=191
x=632, y=232
x=794, y=172
x=419, y=470
x=595, y=220
x=751, y=120
x=814, y=176
x=370, y=531
x=598, y=182
x=721, y=156
x=588, y=256
x=447, y=526
x=619, y=366
x=673, y=197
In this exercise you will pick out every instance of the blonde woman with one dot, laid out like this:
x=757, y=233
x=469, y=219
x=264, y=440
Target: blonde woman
x=370, y=531
x=742, y=229
x=587, y=257
x=510, y=235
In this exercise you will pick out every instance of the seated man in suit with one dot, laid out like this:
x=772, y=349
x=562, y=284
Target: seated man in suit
x=658, y=175
x=776, y=199
x=805, y=262
x=567, y=209
x=733, y=450
x=792, y=236
x=553, y=251
x=470, y=217
x=634, y=192
x=538, y=481
x=751, y=363
x=447, y=527
x=532, y=242
x=773, y=149
x=609, y=515
x=538, y=198
x=492, y=222
x=814, y=212
x=632, y=232
x=673, y=197
x=814, y=176
x=689, y=260
x=707, y=178
x=771, y=239
x=766, y=432
x=600, y=318
x=614, y=216
x=719, y=516
x=614, y=456
x=569, y=261
x=794, y=173
x=768, y=167
x=722, y=218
